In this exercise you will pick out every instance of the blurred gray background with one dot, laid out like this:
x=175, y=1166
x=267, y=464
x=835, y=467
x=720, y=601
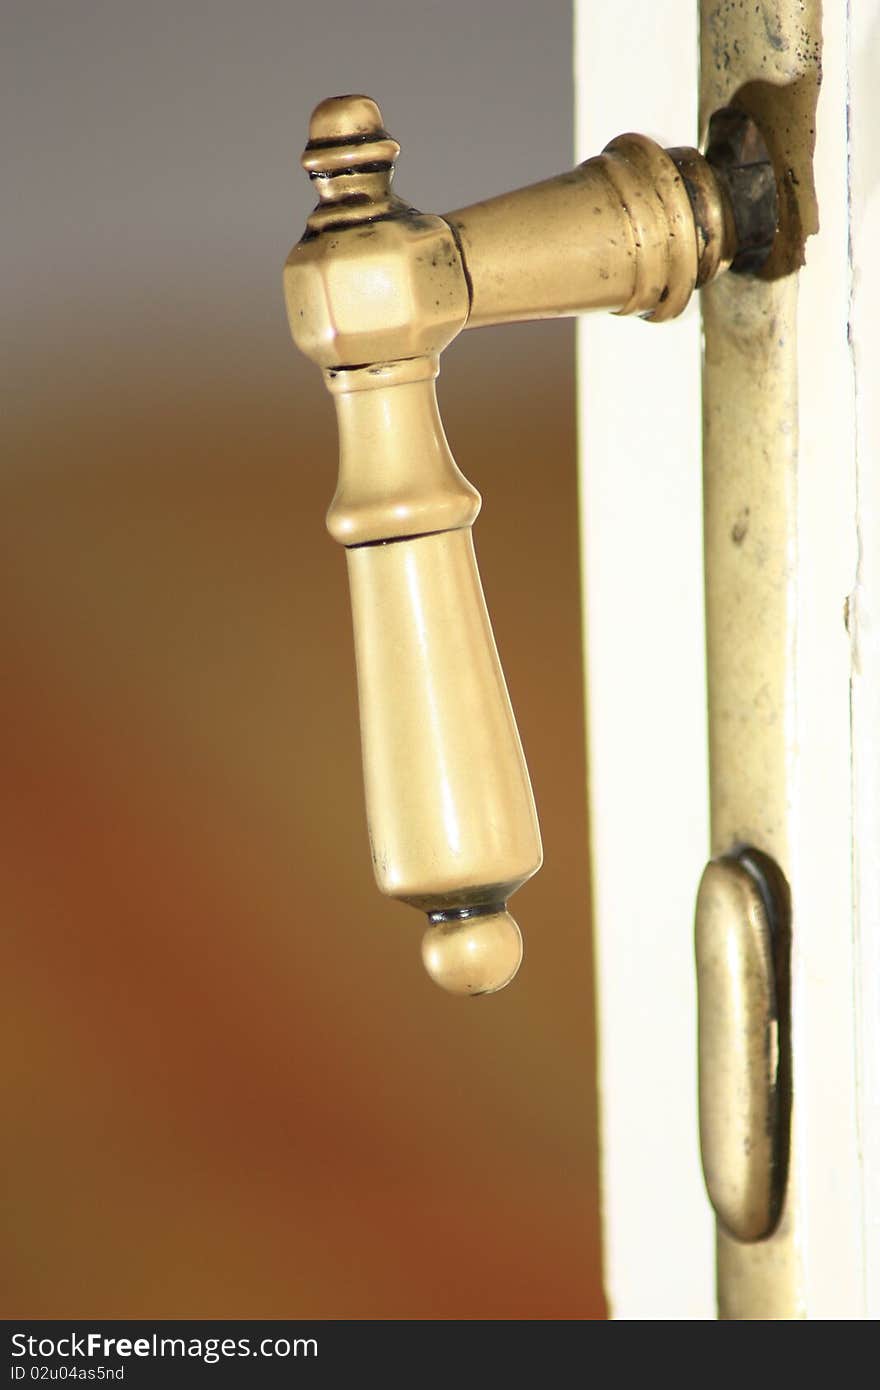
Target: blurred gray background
x=151, y=152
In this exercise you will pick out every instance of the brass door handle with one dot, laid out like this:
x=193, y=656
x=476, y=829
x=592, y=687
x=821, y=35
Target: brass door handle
x=375, y=290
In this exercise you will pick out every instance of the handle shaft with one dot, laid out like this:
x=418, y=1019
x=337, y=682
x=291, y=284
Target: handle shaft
x=450, y=808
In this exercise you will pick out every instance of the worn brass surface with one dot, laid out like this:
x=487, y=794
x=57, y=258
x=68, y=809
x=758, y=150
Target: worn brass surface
x=615, y=233
x=477, y=955
x=374, y=291
x=742, y=1040
x=764, y=60
x=397, y=477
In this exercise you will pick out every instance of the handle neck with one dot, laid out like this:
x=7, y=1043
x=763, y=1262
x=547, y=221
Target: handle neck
x=397, y=476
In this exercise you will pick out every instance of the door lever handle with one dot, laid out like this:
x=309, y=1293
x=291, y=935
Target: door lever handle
x=375, y=290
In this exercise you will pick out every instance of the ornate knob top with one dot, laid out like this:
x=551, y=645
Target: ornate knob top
x=350, y=155
x=372, y=280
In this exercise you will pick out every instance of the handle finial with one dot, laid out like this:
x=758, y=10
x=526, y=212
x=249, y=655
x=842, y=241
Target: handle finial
x=350, y=159
x=472, y=952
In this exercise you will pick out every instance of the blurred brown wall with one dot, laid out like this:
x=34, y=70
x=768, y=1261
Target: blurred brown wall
x=230, y=1090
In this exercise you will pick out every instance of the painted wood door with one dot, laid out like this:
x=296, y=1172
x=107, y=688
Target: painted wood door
x=664, y=70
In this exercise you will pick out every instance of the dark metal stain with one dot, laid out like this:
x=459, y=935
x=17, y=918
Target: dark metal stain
x=739, y=156
x=775, y=40
x=361, y=200
x=456, y=229
x=394, y=540
x=334, y=142
x=785, y=115
x=377, y=166
x=464, y=914
x=740, y=528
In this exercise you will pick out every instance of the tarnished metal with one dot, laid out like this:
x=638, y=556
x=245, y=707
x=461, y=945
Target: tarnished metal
x=738, y=155
x=763, y=60
x=741, y=942
x=615, y=233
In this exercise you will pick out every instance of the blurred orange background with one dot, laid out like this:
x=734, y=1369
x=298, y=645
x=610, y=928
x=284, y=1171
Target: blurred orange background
x=230, y=1090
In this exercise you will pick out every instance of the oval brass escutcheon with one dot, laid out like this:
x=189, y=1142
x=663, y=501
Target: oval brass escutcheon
x=742, y=1041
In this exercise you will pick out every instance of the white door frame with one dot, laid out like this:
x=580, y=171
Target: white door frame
x=637, y=68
